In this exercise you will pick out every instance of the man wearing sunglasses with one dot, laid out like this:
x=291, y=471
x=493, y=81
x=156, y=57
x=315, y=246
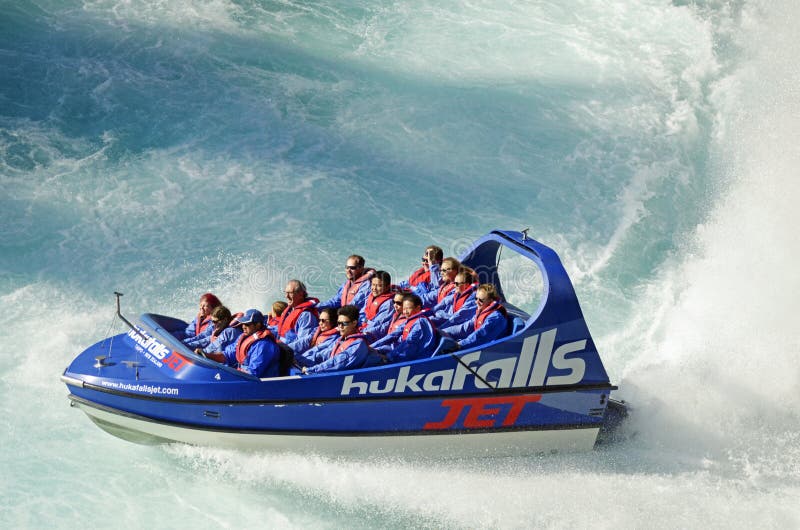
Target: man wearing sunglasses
x=490, y=322
x=427, y=276
x=348, y=352
x=255, y=352
x=355, y=289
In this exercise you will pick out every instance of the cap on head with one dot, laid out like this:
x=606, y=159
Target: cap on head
x=250, y=316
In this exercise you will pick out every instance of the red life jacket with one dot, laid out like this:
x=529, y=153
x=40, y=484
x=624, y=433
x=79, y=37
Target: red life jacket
x=344, y=343
x=418, y=276
x=374, y=304
x=352, y=287
x=397, y=321
x=291, y=314
x=461, y=297
x=200, y=327
x=410, y=321
x=244, y=342
x=481, y=314
x=321, y=336
x=444, y=290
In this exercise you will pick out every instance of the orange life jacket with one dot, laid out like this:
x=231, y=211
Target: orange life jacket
x=200, y=327
x=410, y=321
x=320, y=336
x=397, y=321
x=344, y=343
x=245, y=342
x=481, y=314
x=420, y=275
x=461, y=297
x=352, y=287
x=291, y=314
x=374, y=304
x=444, y=290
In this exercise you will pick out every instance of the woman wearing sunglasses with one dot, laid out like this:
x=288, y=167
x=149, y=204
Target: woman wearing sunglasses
x=348, y=352
x=490, y=322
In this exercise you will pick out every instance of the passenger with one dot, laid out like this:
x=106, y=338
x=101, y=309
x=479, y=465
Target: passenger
x=427, y=276
x=348, y=352
x=300, y=316
x=202, y=322
x=398, y=318
x=415, y=339
x=356, y=288
x=221, y=325
x=325, y=332
x=278, y=306
x=255, y=351
x=433, y=296
x=460, y=307
x=490, y=322
x=378, y=310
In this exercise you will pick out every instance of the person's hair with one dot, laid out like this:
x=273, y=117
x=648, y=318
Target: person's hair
x=359, y=260
x=299, y=286
x=467, y=273
x=438, y=253
x=349, y=311
x=490, y=290
x=454, y=263
x=332, y=314
x=278, y=306
x=212, y=300
x=416, y=300
x=221, y=313
x=383, y=276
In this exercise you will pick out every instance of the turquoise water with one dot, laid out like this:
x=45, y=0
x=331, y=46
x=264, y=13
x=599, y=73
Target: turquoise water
x=164, y=149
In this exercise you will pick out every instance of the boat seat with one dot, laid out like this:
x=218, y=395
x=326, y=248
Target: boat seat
x=445, y=344
x=516, y=325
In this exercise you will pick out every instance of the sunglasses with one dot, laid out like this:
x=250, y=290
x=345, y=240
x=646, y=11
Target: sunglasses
x=460, y=283
x=344, y=324
x=398, y=303
x=350, y=267
x=446, y=270
x=481, y=300
x=324, y=319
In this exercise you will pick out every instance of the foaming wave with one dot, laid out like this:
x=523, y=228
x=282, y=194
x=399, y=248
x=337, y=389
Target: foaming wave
x=718, y=373
x=508, y=493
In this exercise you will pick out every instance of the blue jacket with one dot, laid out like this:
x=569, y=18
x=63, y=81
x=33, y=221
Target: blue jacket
x=318, y=359
x=420, y=342
x=189, y=333
x=226, y=337
x=263, y=358
x=199, y=341
x=428, y=292
x=378, y=326
x=443, y=316
x=494, y=327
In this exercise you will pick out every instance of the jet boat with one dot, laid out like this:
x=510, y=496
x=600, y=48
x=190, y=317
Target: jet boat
x=542, y=388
